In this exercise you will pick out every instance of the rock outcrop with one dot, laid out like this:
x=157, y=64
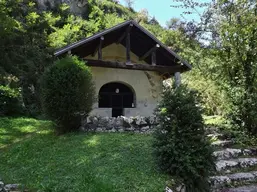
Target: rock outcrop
x=77, y=7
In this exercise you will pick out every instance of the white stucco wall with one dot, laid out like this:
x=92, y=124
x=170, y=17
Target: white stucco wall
x=146, y=84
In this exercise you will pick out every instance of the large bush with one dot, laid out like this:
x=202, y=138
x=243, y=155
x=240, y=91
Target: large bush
x=10, y=101
x=180, y=146
x=67, y=92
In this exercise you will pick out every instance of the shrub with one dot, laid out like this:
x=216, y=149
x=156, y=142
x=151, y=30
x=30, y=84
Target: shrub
x=67, y=92
x=10, y=101
x=180, y=146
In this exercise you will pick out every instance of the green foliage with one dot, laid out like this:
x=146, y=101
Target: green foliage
x=237, y=57
x=76, y=162
x=229, y=28
x=109, y=8
x=112, y=20
x=241, y=138
x=10, y=101
x=67, y=92
x=74, y=29
x=143, y=16
x=24, y=52
x=180, y=146
x=28, y=37
x=155, y=29
x=214, y=100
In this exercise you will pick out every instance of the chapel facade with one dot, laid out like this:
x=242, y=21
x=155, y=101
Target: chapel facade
x=129, y=66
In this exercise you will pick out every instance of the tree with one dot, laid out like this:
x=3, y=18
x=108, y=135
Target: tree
x=130, y=3
x=228, y=34
x=67, y=92
x=28, y=37
x=143, y=16
x=237, y=54
x=24, y=51
x=180, y=146
x=174, y=23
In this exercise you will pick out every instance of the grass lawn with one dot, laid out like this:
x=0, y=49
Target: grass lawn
x=31, y=154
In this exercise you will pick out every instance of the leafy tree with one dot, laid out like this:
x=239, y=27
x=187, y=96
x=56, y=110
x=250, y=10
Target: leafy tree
x=74, y=29
x=130, y=3
x=67, y=92
x=24, y=51
x=143, y=16
x=28, y=38
x=112, y=20
x=237, y=55
x=229, y=31
x=174, y=23
x=180, y=146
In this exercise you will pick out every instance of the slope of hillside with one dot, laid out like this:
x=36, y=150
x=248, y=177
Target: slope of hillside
x=32, y=155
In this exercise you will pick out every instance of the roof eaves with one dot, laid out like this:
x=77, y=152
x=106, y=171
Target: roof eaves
x=85, y=40
x=161, y=44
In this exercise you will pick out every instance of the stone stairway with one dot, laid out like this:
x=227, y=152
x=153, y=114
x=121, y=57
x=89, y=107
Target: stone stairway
x=236, y=168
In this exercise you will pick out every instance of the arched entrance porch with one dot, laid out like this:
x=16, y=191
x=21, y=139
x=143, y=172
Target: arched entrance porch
x=117, y=96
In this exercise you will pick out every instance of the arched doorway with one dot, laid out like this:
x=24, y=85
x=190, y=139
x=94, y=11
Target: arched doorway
x=116, y=96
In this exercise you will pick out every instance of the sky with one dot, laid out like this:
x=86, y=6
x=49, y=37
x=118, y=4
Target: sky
x=161, y=10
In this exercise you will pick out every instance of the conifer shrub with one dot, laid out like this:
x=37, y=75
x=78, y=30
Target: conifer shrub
x=180, y=146
x=67, y=93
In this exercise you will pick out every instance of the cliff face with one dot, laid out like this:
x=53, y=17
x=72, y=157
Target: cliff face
x=77, y=7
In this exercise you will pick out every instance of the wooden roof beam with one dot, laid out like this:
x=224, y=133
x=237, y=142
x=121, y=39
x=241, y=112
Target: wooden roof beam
x=154, y=58
x=143, y=67
x=97, y=47
x=153, y=49
x=125, y=33
x=128, y=49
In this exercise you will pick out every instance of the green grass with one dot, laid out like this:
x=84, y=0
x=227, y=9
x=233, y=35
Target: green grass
x=214, y=120
x=33, y=155
x=241, y=138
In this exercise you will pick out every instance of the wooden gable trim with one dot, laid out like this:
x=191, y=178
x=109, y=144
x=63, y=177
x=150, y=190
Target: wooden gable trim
x=125, y=34
x=153, y=49
x=128, y=25
x=98, y=47
x=85, y=40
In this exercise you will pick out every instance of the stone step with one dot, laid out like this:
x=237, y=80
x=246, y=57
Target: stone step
x=227, y=165
x=216, y=136
x=229, y=153
x=210, y=129
x=222, y=143
x=250, y=188
x=230, y=179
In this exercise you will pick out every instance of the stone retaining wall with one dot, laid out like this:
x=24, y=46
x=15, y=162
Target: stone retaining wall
x=136, y=124
x=9, y=187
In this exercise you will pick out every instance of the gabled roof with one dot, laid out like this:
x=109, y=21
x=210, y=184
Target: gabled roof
x=141, y=41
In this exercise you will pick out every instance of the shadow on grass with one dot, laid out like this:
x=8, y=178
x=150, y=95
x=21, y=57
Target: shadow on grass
x=83, y=162
x=16, y=129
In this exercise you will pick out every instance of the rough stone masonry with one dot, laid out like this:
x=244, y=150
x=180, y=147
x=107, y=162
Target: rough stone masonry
x=136, y=124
